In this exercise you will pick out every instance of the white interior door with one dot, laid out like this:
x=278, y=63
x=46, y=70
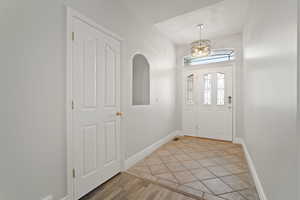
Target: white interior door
x=96, y=97
x=209, y=114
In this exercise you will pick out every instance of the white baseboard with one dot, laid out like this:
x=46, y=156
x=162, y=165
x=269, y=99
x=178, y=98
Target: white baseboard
x=253, y=171
x=238, y=140
x=187, y=132
x=132, y=160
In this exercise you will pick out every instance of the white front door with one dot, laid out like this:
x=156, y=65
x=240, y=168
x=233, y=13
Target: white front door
x=209, y=114
x=214, y=118
x=96, y=97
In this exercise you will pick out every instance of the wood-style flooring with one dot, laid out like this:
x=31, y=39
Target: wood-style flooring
x=185, y=169
x=128, y=187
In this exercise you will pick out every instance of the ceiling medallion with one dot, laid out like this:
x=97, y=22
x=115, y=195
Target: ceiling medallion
x=200, y=48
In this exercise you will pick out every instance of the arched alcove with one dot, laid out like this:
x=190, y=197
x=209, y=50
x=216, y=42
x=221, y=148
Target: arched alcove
x=140, y=80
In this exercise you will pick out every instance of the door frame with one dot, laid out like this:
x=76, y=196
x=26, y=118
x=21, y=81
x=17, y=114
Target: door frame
x=234, y=88
x=69, y=85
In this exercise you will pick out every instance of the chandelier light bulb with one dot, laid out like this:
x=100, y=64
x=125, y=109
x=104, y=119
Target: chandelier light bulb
x=200, y=48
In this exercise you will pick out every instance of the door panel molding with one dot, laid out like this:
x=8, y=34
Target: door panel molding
x=89, y=101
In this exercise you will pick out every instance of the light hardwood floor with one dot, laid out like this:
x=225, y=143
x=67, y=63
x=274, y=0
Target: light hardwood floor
x=128, y=187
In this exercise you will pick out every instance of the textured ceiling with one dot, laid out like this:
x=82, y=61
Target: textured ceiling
x=154, y=11
x=221, y=19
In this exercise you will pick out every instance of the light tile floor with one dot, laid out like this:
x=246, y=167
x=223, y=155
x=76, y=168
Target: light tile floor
x=213, y=170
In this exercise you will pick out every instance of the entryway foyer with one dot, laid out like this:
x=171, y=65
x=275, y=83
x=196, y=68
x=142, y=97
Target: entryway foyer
x=187, y=168
x=200, y=168
x=153, y=100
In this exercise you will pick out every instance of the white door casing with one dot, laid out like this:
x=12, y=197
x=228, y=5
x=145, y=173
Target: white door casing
x=209, y=120
x=95, y=128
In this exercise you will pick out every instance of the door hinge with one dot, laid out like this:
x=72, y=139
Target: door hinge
x=73, y=173
x=73, y=36
x=73, y=105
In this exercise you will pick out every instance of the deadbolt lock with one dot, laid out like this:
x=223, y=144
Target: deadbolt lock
x=229, y=99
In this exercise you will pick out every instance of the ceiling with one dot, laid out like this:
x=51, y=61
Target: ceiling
x=220, y=19
x=154, y=11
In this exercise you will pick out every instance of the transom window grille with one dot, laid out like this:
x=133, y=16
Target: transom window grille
x=207, y=89
x=189, y=89
x=216, y=56
x=220, y=88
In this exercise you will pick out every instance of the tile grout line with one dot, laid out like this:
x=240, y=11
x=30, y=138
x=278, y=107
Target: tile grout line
x=206, y=167
x=215, y=154
x=169, y=188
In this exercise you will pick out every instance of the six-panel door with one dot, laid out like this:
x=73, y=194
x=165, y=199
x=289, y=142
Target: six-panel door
x=96, y=96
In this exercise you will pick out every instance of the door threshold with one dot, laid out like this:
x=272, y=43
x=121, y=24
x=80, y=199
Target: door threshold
x=210, y=139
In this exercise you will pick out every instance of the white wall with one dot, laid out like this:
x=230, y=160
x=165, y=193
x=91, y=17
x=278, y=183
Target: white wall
x=231, y=41
x=270, y=53
x=32, y=85
x=298, y=127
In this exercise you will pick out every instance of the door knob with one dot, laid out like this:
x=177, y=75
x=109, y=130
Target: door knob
x=119, y=114
x=229, y=99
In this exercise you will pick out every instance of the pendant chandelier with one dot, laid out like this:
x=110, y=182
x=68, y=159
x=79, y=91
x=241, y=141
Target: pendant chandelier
x=201, y=47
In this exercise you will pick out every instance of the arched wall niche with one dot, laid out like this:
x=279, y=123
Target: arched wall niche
x=140, y=80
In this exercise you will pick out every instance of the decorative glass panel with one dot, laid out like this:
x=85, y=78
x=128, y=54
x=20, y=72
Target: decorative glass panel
x=189, y=89
x=217, y=55
x=220, y=89
x=207, y=89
